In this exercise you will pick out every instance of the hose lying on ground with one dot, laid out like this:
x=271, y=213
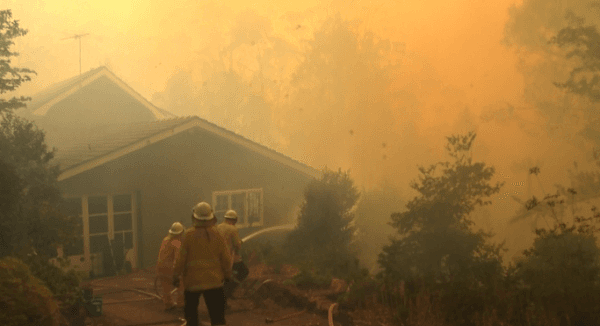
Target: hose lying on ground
x=330, y=313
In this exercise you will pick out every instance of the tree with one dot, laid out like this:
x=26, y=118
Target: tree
x=435, y=244
x=31, y=220
x=532, y=29
x=11, y=77
x=561, y=270
x=343, y=100
x=239, y=83
x=325, y=231
x=582, y=43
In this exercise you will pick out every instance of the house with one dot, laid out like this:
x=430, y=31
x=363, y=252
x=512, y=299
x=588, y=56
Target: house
x=86, y=104
x=130, y=180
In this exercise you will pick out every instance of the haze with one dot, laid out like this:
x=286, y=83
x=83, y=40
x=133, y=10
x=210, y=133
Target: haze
x=449, y=67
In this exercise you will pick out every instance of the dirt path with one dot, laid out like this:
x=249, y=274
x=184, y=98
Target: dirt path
x=128, y=301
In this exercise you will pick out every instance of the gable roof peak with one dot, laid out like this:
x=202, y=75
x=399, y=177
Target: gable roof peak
x=46, y=99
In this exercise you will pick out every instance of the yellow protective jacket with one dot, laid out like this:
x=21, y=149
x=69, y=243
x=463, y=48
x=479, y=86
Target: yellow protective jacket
x=167, y=255
x=203, y=261
x=232, y=239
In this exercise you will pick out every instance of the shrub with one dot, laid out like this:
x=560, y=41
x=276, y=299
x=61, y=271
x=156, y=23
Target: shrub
x=560, y=274
x=24, y=298
x=435, y=241
x=265, y=252
x=310, y=278
x=63, y=285
x=325, y=233
x=360, y=292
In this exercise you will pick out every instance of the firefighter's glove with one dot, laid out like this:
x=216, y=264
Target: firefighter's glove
x=176, y=281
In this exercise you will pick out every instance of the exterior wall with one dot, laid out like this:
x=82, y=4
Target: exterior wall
x=89, y=109
x=174, y=174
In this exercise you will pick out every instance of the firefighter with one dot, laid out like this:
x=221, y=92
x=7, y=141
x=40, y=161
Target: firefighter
x=166, y=261
x=234, y=244
x=204, y=264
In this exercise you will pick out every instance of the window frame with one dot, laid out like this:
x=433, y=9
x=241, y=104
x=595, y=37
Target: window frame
x=110, y=213
x=243, y=216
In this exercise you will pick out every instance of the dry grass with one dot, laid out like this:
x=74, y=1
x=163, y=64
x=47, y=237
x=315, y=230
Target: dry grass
x=423, y=311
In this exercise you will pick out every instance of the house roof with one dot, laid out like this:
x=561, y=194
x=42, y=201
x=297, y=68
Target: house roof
x=121, y=140
x=44, y=100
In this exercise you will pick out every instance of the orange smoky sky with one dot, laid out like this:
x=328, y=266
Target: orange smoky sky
x=454, y=65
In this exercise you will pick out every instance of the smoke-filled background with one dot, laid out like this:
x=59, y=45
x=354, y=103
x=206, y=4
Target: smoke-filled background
x=370, y=86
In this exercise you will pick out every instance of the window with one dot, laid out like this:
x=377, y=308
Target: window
x=123, y=221
x=109, y=221
x=98, y=221
x=247, y=203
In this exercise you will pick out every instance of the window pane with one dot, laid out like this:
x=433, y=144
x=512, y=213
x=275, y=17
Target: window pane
x=71, y=206
x=98, y=224
x=237, y=204
x=75, y=248
x=98, y=243
x=128, y=243
x=253, y=207
x=97, y=205
x=220, y=215
x=122, y=203
x=123, y=222
x=221, y=203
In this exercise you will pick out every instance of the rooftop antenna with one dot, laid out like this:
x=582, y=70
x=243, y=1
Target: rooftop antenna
x=78, y=36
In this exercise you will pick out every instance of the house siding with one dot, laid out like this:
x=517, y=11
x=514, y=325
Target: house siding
x=88, y=110
x=172, y=175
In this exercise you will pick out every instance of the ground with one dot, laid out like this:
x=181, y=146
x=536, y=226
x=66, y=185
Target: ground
x=130, y=300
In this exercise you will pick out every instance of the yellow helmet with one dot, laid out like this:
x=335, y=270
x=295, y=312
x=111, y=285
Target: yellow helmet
x=176, y=228
x=231, y=214
x=203, y=212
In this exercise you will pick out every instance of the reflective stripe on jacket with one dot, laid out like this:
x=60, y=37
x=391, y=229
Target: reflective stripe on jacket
x=232, y=239
x=203, y=261
x=167, y=255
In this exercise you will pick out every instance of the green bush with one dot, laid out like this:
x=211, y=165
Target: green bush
x=560, y=273
x=24, y=298
x=63, y=285
x=325, y=232
x=360, y=291
x=289, y=282
x=436, y=245
x=266, y=253
x=311, y=278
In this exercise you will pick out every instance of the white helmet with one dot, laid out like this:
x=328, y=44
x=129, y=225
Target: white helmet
x=203, y=212
x=231, y=214
x=176, y=228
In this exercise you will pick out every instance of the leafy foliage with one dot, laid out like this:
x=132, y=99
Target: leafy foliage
x=346, y=82
x=24, y=298
x=325, y=232
x=435, y=230
x=63, y=285
x=309, y=278
x=435, y=244
x=561, y=271
x=34, y=220
x=532, y=29
x=31, y=223
x=583, y=43
x=30, y=220
x=11, y=77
